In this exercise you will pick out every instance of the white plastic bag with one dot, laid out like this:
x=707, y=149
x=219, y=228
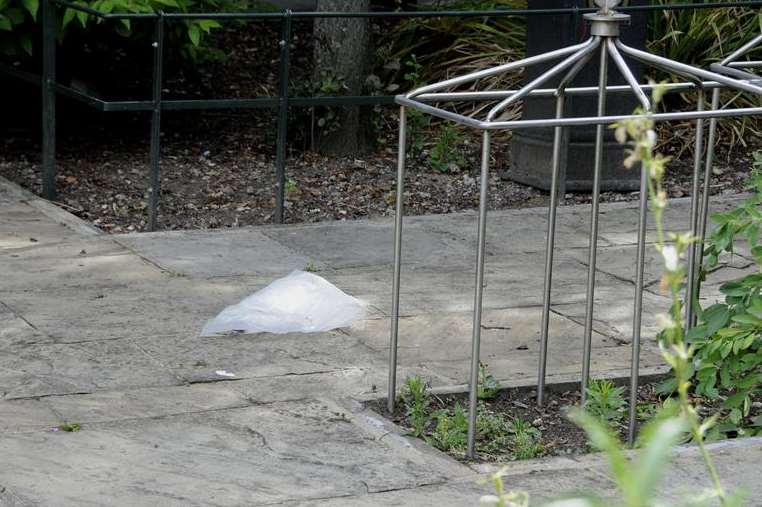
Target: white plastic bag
x=298, y=303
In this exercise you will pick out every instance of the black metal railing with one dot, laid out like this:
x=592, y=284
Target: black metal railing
x=282, y=102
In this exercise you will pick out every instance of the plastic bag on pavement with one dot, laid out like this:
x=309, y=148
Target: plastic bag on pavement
x=298, y=303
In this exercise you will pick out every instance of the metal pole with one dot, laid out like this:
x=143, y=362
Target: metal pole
x=397, y=261
x=590, y=294
x=558, y=144
x=707, y=180
x=49, y=29
x=637, y=317
x=478, y=293
x=154, y=186
x=690, y=292
x=280, y=150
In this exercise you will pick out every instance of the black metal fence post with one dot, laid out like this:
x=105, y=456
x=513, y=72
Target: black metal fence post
x=49, y=29
x=154, y=187
x=280, y=150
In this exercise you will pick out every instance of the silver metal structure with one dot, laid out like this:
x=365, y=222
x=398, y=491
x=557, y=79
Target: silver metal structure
x=605, y=28
x=731, y=66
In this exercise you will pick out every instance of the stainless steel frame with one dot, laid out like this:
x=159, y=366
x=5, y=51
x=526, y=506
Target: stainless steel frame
x=604, y=29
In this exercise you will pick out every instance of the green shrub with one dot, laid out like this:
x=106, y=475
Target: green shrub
x=449, y=46
x=728, y=337
x=18, y=18
x=702, y=37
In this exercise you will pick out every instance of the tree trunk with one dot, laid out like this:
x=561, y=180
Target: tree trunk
x=342, y=57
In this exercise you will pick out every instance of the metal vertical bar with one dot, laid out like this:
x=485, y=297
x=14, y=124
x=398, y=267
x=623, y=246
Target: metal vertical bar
x=590, y=293
x=473, y=386
x=690, y=292
x=400, y=208
x=637, y=317
x=49, y=29
x=705, y=193
x=154, y=186
x=280, y=150
x=558, y=138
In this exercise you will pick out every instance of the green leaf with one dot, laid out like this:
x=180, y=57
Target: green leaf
x=106, y=6
x=82, y=18
x=194, y=34
x=26, y=43
x=716, y=317
x=16, y=15
x=32, y=7
x=660, y=438
x=68, y=17
x=3, y=4
x=5, y=23
x=747, y=319
x=600, y=437
x=207, y=24
x=735, y=400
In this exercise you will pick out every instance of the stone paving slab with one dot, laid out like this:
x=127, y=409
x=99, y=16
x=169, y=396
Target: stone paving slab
x=57, y=369
x=612, y=312
x=511, y=281
x=738, y=463
x=262, y=355
x=24, y=226
x=217, y=253
x=618, y=222
x=31, y=415
x=520, y=368
x=619, y=261
x=366, y=383
x=15, y=331
x=369, y=243
x=146, y=402
x=73, y=265
x=509, y=231
x=448, y=336
x=103, y=331
x=250, y=456
x=110, y=310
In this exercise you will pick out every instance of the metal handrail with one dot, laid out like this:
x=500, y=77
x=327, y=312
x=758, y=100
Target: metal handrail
x=402, y=14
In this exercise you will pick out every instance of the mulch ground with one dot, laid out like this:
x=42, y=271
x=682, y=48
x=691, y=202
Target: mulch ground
x=218, y=167
x=227, y=179
x=560, y=436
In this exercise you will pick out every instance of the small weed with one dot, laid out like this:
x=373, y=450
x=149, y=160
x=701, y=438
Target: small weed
x=451, y=431
x=647, y=411
x=70, y=427
x=417, y=401
x=445, y=155
x=605, y=401
x=311, y=267
x=488, y=386
x=498, y=433
x=417, y=121
x=493, y=430
x=526, y=440
x=291, y=187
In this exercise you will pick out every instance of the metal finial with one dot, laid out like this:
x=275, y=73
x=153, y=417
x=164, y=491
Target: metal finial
x=607, y=5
